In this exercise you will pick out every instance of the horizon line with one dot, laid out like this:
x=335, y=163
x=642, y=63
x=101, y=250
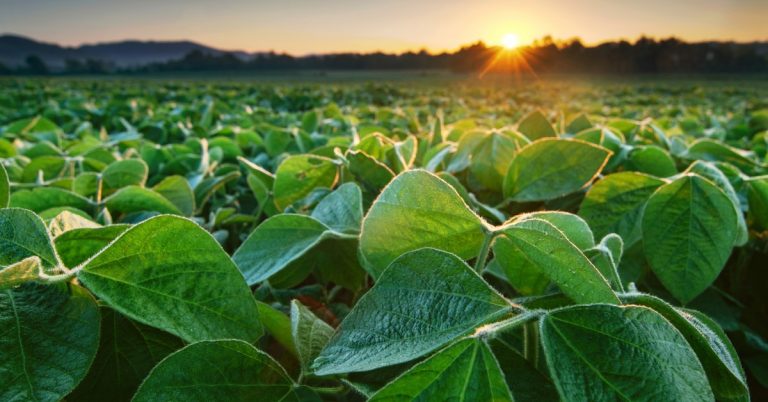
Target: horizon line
x=400, y=52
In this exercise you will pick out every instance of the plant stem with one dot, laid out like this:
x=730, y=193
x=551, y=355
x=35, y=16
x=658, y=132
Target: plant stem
x=484, y=251
x=523, y=318
x=531, y=343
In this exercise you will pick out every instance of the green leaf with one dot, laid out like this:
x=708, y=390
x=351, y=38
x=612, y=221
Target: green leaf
x=221, y=370
x=76, y=246
x=418, y=209
x=278, y=325
x=176, y=189
x=47, y=167
x=534, y=126
x=714, y=151
x=206, y=188
x=5, y=188
x=127, y=352
x=539, y=244
x=615, y=204
x=689, y=229
x=424, y=300
x=43, y=198
x=710, y=171
x=573, y=227
x=579, y=123
x=129, y=172
x=298, y=175
x=717, y=355
x=551, y=168
x=465, y=371
x=137, y=199
x=49, y=339
x=310, y=334
x=491, y=158
x=372, y=174
x=608, y=353
x=26, y=270
x=276, y=243
x=758, y=201
x=169, y=273
x=341, y=210
x=652, y=160
x=23, y=234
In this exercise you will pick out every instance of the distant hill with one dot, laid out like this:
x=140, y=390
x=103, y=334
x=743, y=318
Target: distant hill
x=15, y=49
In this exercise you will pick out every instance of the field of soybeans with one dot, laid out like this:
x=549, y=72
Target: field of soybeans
x=435, y=241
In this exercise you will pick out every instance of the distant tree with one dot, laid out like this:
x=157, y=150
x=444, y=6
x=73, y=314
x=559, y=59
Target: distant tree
x=36, y=65
x=73, y=66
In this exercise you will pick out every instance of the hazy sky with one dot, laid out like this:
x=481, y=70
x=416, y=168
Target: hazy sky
x=320, y=26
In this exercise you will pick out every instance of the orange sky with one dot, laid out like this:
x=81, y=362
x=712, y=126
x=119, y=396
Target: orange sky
x=312, y=26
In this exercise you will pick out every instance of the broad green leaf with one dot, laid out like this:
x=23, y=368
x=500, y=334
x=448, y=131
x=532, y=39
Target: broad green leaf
x=572, y=226
x=491, y=158
x=652, y=160
x=689, y=229
x=43, y=198
x=372, y=174
x=418, y=209
x=45, y=167
x=127, y=352
x=176, y=189
x=534, y=126
x=298, y=175
x=48, y=340
x=310, y=334
x=23, y=234
x=277, y=242
x=551, y=168
x=221, y=370
x=26, y=270
x=714, y=151
x=5, y=188
x=710, y=171
x=137, y=199
x=579, y=123
x=341, y=210
x=608, y=353
x=707, y=339
x=465, y=371
x=424, y=300
x=76, y=246
x=541, y=245
x=615, y=204
x=129, y=172
x=170, y=273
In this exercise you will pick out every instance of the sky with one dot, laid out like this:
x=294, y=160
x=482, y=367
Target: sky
x=325, y=26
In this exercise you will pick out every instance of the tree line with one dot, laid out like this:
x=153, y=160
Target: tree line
x=644, y=56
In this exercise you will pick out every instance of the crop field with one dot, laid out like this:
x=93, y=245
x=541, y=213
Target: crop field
x=202, y=240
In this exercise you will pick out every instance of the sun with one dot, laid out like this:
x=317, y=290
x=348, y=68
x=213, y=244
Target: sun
x=510, y=41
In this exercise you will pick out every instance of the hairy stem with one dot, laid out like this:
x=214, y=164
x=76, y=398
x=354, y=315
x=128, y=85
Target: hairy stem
x=485, y=249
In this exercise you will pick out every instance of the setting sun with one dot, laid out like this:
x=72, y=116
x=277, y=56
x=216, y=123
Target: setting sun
x=510, y=41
